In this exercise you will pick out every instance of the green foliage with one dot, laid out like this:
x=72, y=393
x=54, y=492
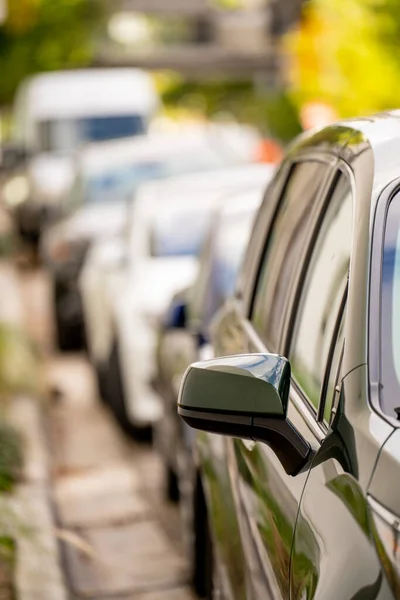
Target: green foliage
x=54, y=35
x=346, y=54
x=19, y=363
x=10, y=458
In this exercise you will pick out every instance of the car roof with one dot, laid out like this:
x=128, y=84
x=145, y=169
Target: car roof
x=88, y=91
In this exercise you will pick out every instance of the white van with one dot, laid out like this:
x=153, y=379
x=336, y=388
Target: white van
x=56, y=113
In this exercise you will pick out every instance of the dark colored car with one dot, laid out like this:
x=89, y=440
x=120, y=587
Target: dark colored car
x=300, y=497
x=184, y=335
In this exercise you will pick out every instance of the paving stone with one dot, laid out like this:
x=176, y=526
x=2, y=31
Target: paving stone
x=133, y=558
x=84, y=439
x=100, y=497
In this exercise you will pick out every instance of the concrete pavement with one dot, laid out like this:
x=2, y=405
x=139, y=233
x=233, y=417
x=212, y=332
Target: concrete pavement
x=120, y=539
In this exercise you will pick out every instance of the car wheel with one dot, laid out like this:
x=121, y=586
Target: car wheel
x=203, y=568
x=68, y=337
x=117, y=399
x=171, y=484
x=102, y=383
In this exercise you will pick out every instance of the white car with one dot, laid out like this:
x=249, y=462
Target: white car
x=106, y=178
x=169, y=222
x=56, y=113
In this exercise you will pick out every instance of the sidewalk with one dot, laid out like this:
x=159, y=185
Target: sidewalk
x=120, y=539
x=38, y=574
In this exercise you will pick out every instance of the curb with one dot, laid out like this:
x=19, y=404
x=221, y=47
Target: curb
x=38, y=574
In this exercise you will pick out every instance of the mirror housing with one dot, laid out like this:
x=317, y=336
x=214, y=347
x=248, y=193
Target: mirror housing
x=244, y=396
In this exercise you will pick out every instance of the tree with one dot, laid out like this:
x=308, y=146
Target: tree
x=346, y=55
x=43, y=35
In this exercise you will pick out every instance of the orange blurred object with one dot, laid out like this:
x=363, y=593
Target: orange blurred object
x=268, y=151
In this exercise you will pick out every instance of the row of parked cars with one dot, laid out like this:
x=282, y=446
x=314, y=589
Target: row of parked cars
x=248, y=317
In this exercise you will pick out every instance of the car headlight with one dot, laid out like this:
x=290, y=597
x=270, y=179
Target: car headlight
x=386, y=535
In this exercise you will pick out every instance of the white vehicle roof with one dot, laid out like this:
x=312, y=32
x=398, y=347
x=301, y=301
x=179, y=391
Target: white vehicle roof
x=87, y=92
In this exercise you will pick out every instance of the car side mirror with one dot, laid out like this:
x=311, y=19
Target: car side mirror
x=244, y=396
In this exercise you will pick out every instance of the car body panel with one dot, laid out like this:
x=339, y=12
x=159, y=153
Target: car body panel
x=333, y=524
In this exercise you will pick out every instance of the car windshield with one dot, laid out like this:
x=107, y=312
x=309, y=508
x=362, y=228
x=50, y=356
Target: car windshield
x=390, y=311
x=178, y=233
x=119, y=184
x=67, y=135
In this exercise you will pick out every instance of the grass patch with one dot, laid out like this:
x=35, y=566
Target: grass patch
x=11, y=458
x=7, y=565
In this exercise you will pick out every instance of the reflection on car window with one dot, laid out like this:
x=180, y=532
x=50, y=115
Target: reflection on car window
x=284, y=246
x=322, y=296
x=390, y=311
x=220, y=261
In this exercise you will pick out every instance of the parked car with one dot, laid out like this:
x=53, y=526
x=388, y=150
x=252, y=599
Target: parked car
x=184, y=332
x=96, y=207
x=199, y=149
x=300, y=497
x=169, y=222
x=56, y=113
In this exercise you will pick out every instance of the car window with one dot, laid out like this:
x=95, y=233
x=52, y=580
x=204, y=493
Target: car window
x=315, y=328
x=229, y=245
x=390, y=312
x=285, y=243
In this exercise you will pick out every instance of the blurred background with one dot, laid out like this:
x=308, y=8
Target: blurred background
x=137, y=138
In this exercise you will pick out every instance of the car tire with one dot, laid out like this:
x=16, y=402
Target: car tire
x=67, y=337
x=203, y=554
x=117, y=399
x=171, y=484
x=102, y=383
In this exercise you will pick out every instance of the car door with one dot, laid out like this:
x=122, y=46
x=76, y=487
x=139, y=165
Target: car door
x=266, y=499
x=332, y=553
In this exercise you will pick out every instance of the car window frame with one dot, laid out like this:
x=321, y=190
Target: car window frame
x=374, y=357
x=325, y=158
x=341, y=169
x=341, y=318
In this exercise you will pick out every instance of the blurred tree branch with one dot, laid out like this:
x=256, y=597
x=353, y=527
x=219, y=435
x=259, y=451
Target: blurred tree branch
x=346, y=54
